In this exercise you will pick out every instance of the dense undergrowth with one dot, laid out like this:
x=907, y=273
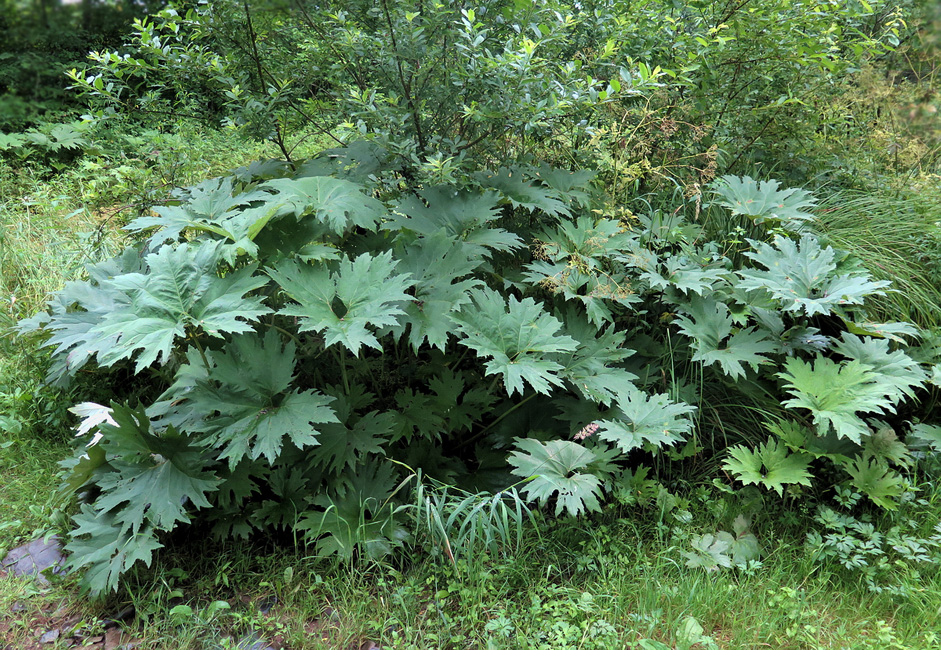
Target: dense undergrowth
x=528, y=346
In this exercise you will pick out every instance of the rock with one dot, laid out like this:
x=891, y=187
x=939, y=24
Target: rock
x=252, y=641
x=37, y=558
x=113, y=639
x=49, y=637
x=266, y=604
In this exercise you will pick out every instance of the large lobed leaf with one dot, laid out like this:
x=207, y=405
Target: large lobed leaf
x=836, y=394
x=802, y=276
x=439, y=266
x=763, y=201
x=709, y=326
x=770, y=465
x=639, y=418
x=516, y=336
x=181, y=289
x=369, y=294
x=553, y=469
x=245, y=404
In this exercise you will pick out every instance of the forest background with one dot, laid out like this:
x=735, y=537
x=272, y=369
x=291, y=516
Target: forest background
x=506, y=325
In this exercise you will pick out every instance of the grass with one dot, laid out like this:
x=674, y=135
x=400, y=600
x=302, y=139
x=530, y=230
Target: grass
x=613, y=581
x=898, y=238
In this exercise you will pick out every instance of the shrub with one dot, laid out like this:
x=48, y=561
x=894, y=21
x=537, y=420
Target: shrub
x=308, y=343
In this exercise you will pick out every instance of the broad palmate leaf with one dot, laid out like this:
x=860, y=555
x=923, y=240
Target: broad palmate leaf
x=874, y=479
x=802, y=276
x=439, y=266
x=708, y=326
x=207, y=207
x=763, y=201
x=358, y=514
x=770, y=465
x=591, y=367
x=74, y=312
x=105, y=551
x=553, y=468
x=640, y=418
x=181, y=289
x=685, y=274
x=368, y=293
x=899, y=374
x=574, y=259
x=339, y=204
x=929, y=434
x=836, y=394
x=516, y=336
x=245, y=405
x=523, y=194
x=463, y=215
x=155, y=476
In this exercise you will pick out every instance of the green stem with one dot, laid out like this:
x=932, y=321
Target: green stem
x=291, y=335
x=346, y=379
x=202, y=353
x=487, y=428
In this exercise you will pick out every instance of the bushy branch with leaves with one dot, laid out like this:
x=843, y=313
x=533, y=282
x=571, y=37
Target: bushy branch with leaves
x=441, y=87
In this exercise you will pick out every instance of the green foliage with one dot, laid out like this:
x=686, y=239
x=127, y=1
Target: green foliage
x=437, y=88
x=517, y=337
x=361, y=292
x=283, y=323
x=764, y=202
x=835, y=394
x=889, y=554
x=553, y=467
x=770, y=465
x=723, y=549
x=41, y=41
x=431, y=294
x=804, y=276
x=711, y=326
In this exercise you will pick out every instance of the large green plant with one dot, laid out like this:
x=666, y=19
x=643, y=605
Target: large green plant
x=308, y=342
